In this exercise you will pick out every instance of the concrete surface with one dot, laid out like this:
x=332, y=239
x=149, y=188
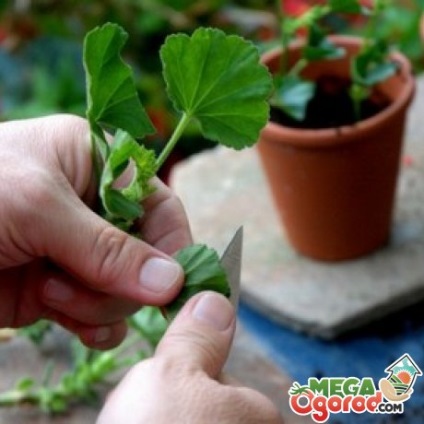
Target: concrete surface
x=223, y=189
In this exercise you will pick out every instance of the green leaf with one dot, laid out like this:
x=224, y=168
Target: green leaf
x=345, y=6
x=203, y=271
x=218, y=80
x=113, y=101
x=150, y=324
x=371, y=66
x=320, y=47
x=37, y=331
x=311, y=16
x=25, y=384
x=292, y=95
x=122, y=205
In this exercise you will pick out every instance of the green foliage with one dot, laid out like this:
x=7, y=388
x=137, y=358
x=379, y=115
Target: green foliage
x=345, y=6
x=217, y=79
x=37, y=331
x=90, y=370
x=202, y=272
x=291, y=95
x=319, y=47
x=123, y=206
x=150, y=325
x=112, y=97
x=213, y=78
x=371, y=66
x=399, y=25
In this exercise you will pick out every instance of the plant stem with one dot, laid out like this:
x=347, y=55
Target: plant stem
x=178, y=132
x=284, y=39
x=298, y=67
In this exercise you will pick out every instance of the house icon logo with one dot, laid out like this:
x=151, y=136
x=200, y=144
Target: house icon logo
x=402, y=374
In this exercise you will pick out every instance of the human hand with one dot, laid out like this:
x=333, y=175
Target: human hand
x=61, y=261
x=183, y=382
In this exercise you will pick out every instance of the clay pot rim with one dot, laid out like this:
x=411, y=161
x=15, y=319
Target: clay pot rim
x=346, y=133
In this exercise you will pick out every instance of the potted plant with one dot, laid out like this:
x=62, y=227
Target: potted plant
x=331, y=149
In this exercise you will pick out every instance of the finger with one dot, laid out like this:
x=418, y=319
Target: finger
x=84, y=244
x=95, y=252
x=229, y=380
x=165, y=223
x=200, y=336
x=106, y=258
x=101, y=337
x=68, y=296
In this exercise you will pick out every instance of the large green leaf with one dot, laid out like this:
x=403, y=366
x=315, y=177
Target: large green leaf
x=203, y=271
x=112, y=96
x=219, y=80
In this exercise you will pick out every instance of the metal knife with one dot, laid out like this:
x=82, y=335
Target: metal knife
x=231, y=262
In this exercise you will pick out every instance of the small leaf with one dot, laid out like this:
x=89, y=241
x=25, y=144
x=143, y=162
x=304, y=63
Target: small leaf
x=371, y=66
x=150, y=324
x=112, y=96
x=320, y=47
x=25, y=384
x=203, y=271
x=219, y=80
x=292, y=95
x=123, y=205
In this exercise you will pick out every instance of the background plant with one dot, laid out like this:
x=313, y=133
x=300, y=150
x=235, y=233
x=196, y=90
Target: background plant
x=370, y=66
x=40, y=39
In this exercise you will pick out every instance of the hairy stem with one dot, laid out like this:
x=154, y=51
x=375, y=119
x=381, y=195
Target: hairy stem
x=178, y=132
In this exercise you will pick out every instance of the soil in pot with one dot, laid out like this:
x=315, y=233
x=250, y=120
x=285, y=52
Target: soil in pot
x=332, y=106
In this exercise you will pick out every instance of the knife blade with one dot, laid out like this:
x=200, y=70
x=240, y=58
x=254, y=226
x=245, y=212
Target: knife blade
x=231, y=262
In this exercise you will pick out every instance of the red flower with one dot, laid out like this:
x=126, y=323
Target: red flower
x=3, y=35
x=294, y=7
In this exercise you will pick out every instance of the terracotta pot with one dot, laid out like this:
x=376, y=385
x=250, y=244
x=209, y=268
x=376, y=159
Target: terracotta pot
x=334, y=188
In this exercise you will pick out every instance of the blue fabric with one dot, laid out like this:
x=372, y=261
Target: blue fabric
x=363, y=353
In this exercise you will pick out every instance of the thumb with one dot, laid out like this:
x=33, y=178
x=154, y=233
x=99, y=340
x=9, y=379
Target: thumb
x=200, y=337
x=105, y=258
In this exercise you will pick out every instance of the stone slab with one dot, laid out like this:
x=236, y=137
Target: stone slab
x=222, y=189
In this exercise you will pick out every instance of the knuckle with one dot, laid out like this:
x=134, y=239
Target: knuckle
x=75, y=123
x=206, y=349
x=112, y=254
x=37, y=194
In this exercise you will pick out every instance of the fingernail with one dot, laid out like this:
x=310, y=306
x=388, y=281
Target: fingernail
x=159, y=275
x=213, y=309
x=57, y=291
x=102, y=334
